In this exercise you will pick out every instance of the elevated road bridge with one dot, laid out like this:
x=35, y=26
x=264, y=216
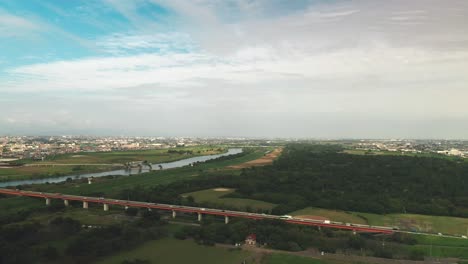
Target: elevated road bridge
x=106, y=202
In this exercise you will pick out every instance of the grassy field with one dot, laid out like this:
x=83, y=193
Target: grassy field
x=147, y=179
x=214, y=196
x=179, y=252
x=278, y=258
x=443, y=251
x=441, y=247
x=426, y=223
x=36, y=172
x=79, y=163
x=339, y=216
x=441, y=241
x=414, y=222
x=152, y=155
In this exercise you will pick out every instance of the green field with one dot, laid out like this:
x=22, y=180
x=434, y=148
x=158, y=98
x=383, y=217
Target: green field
x=413, y=222
x=46, y=171
x=426, y=223
x=179, y=252
x=277, y=258
x=151, y=155
x=339, y=216
x=215, y=197
x=80, y=163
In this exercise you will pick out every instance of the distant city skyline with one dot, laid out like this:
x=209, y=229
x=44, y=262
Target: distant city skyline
x=235, y=68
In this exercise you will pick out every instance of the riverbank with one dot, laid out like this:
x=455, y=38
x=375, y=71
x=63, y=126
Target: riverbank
x=123, y=172
x=74, y=165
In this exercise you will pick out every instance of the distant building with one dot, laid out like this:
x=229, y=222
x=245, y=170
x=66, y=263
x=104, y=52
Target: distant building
x=251, y=240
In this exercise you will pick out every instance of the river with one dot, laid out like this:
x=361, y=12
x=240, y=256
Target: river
x=124, y=172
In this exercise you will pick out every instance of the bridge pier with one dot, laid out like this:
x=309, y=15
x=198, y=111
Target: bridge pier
x=106, y=207
x=66, y=203
x=126, y=207
x=47, y=201
x=173, y=214
x=85, y=205
x=199, y=217
x=226, y=219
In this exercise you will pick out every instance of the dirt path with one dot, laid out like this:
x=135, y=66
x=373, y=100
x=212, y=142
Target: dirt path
x=265, y=160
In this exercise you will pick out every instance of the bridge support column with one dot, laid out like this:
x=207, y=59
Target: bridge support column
x=199, y=217
x=47, y=201
x=85, y=205
x=173, y=214
x=149, y=209
x=106, y=207
x=226, y=219
x=66, y=203
x=354, y=232
x=126, y=207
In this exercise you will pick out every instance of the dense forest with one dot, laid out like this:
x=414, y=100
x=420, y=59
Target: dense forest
x=324, y=176
x=66, y=240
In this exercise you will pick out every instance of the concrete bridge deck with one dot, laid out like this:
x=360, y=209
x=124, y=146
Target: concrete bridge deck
x=197, y=210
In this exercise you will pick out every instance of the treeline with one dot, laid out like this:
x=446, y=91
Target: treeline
x=35, y=242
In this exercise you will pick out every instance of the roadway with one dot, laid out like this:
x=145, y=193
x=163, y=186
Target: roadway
x=197, y=210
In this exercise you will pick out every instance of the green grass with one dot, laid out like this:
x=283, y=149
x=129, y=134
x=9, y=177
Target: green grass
x=179, y=252
x=413, y=222
x=96, y=162
x=280, y=258
x=339, y=216
x=152, y=155
x=427, y=223
x=211, y=196
x=441, y=241
x=46, y=171
x=441, y=247
x=277, y=258
x=443, y=251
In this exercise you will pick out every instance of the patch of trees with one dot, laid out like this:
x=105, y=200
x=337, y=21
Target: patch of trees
x=280, y=235
x=33, y=242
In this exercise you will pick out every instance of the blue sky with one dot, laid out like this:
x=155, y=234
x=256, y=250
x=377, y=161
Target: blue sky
x=344, y=68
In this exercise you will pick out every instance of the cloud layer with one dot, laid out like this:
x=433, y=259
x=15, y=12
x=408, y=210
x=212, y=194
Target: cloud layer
x=253, y=68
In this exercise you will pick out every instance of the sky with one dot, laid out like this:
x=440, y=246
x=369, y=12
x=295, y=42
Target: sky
x=235, y=68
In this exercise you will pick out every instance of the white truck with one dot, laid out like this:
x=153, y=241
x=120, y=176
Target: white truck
x=285, y=217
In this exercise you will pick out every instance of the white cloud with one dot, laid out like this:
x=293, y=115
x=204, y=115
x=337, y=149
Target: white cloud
x=11, y=25
x=358, y=59
x=121, y=44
